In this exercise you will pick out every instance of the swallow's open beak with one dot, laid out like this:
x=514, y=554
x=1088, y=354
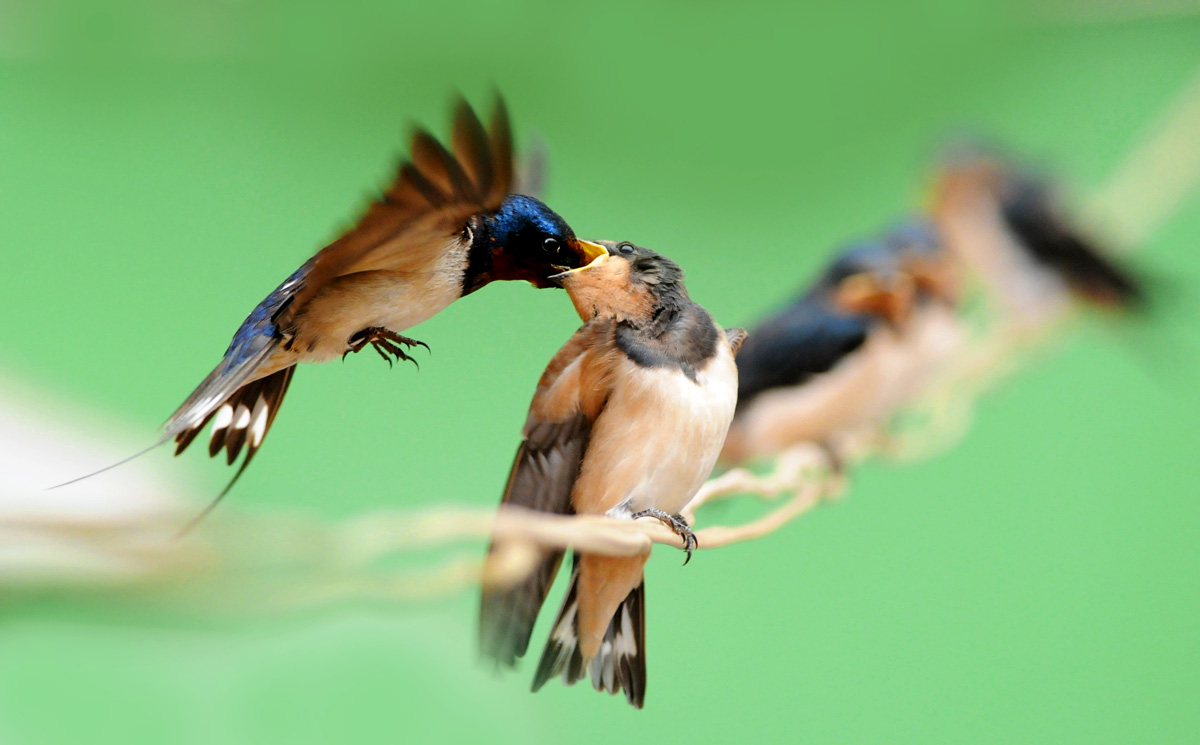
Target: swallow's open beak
x=889, y=298
x=594, y=260
x=587, y=251
x=935, y=279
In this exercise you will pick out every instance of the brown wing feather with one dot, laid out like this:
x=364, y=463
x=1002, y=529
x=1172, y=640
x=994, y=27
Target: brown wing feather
x=437, y=164
x=542, y=478
x=502, y=153
x=435, y=192
x=472, y=148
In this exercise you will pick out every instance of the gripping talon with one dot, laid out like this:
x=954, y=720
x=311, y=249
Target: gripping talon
x=382, y=353
x=385, y=342
x=677, y=524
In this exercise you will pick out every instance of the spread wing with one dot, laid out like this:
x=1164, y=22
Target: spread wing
x=803, y=340
x=434, y=193
x=570, y=395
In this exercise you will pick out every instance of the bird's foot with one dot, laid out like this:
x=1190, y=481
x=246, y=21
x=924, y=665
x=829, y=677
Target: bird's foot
x=833, y=458
x=677, y=524
x=385, y=342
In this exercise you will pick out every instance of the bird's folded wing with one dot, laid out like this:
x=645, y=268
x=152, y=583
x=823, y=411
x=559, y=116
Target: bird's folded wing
x=570, y=395
x=1030, y=212
x=434, y=193
x=800, y=342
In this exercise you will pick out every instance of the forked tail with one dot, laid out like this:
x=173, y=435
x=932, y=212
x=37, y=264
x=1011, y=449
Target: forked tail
x=620, y=665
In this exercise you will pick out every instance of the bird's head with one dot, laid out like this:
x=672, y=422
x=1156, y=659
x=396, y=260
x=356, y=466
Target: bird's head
x=868, y=280
x=970, y=174
x=628, y=283
x=526, y=240
x=925, y=257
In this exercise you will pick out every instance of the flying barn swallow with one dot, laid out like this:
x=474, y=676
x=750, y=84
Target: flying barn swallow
x=851, y=350
x=1009, y=226
x=627, y=421
x=448, y=225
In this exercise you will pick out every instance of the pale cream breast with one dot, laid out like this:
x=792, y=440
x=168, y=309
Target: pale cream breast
x=658, y=437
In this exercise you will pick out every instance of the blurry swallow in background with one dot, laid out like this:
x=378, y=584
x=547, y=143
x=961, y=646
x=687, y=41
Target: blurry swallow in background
x=1009, y=228
x=850, y=351
x=627, y=421
x=446, y=227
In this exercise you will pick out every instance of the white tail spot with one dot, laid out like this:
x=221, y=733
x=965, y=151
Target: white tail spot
x=242, y=418
x=259, y=428
x=223, y=418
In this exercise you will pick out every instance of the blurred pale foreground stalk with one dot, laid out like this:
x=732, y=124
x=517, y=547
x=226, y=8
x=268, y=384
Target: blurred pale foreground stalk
x=120, y=541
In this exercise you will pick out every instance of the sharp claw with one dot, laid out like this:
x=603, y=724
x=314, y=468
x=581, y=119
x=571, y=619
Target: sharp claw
x=679, y=525
x=385, y=342
x=382, y=354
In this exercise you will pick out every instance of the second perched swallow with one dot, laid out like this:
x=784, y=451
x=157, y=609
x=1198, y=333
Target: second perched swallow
x=627, y=421
x=446, y=227
x=851, y=350
x=1009, y=227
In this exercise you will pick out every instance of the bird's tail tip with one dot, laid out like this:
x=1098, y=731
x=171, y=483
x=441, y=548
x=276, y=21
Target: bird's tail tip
x=619, y=665
x=111, y=466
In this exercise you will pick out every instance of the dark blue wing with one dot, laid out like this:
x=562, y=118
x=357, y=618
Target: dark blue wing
x=803, y=340
x=255, y=341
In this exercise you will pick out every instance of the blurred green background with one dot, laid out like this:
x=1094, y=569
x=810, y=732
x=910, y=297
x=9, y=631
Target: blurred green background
x=162, y=167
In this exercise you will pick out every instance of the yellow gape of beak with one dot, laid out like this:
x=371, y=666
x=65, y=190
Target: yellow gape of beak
x=594, y=262
x=890, y=299
x=591, y=251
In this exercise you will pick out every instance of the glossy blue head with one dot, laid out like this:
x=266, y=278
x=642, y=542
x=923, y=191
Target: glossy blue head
x=525, y=240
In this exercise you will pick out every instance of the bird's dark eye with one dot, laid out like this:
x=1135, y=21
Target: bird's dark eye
x=551, y=245
x=625, y=248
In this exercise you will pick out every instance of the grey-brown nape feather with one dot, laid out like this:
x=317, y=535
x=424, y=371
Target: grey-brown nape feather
x=679, y=333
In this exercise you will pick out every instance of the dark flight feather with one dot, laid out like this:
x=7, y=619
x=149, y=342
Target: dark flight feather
x=432, y=181
x=1029, y=211
x=261, y=398
x=542, y=478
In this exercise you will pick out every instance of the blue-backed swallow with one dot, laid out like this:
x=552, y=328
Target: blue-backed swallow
x=1011, y=229
x=627, y=421
x=448, y=225
x=850, y=350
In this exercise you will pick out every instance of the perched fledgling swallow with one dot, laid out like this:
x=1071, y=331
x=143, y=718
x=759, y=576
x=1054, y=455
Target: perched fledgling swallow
x=627, y=421
x=1008, y=226
x=446, y=227
x=851, y=350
